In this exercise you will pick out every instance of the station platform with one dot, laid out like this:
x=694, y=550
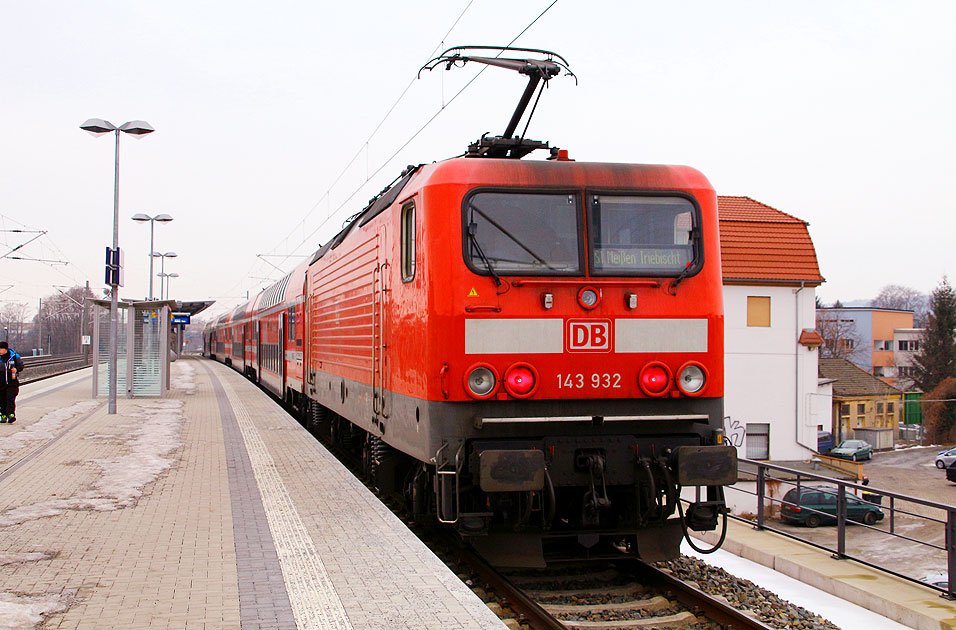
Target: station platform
x=210, y=508
x=902, y=601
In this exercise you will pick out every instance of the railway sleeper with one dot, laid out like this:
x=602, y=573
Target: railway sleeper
x=669, y=621
x=650, y=604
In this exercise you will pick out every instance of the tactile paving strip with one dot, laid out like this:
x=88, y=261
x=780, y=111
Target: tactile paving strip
x=287, y=557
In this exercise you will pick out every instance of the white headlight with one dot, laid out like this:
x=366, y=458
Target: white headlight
x=692, y=379
x=481, y=381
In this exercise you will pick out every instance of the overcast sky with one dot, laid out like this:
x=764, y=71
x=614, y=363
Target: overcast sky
x=840, y=113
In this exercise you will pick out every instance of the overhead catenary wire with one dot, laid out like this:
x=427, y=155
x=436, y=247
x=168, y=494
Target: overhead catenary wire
x=414, y=135
x=363, y=147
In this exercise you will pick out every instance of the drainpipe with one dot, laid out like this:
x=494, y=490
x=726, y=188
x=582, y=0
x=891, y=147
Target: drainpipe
x=796, y=370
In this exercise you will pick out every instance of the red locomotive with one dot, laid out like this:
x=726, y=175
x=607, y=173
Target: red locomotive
x=531, y=351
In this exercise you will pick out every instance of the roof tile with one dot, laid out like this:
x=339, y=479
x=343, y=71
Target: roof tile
x=760, y=243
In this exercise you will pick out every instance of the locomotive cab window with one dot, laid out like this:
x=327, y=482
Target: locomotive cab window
x=408, y=241
x=643, y=235
x=522, y=233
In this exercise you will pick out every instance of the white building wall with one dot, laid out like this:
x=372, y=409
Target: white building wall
x=769, y=377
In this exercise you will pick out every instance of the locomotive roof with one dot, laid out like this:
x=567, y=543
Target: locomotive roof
x=529, y=173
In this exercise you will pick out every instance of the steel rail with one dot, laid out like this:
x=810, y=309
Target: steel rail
x=715, y=609
x=526, y=609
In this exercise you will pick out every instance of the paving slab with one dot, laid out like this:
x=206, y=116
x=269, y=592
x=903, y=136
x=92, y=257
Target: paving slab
x=209, y=508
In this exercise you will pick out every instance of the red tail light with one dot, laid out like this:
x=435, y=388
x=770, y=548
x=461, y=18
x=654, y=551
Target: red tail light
x=655, y=379
x=521, y=380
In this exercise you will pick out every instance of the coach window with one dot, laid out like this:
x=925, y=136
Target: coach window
x=290, y=323
x=758, y=311
x=408, y=241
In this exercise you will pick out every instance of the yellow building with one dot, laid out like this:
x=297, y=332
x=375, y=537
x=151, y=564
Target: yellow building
x=860, y=400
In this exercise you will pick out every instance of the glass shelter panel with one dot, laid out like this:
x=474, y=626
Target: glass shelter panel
x=103, y=352
x=147, y=357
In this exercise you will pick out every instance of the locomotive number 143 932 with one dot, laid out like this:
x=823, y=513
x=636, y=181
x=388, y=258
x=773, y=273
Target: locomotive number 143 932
x=594, y=381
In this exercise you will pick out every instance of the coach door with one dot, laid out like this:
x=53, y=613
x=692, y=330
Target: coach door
x=257, y=342
x=380, y=293
x=243, y=353
x=281, y=352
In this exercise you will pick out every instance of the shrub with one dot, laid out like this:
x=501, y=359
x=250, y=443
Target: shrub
x=939, y=418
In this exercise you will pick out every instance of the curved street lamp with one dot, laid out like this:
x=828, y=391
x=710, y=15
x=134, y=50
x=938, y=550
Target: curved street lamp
x=162, y=218
x=98, y=127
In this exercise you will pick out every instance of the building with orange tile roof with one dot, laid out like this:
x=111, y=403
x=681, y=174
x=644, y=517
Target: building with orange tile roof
x=774, y=402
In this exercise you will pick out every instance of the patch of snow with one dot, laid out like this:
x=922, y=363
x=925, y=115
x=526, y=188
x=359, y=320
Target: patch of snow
x=26, y=611
x=19, y=558
x=44, y=428
x=121, y=479
x=183, y=376
x=840, y=611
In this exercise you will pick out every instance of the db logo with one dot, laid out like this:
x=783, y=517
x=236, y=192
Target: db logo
x=588, y=335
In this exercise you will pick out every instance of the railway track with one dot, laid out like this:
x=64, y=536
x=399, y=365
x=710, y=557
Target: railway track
x=623, y=594
x=47, y=366
x=616, y=594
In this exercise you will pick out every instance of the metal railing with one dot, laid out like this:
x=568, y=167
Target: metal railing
x=903, y=516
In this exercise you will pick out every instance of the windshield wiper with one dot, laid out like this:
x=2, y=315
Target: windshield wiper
x=472, y=228
x=511, y=236
x=694, y=234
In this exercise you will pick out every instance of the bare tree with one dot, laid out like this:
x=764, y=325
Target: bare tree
x=58, y=321
x=14, y=317
x=840, y=337
x=903, y=298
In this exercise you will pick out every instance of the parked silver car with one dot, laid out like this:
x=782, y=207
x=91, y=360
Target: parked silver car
x=945, y=458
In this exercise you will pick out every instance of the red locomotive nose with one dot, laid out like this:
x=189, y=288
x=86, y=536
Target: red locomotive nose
x=654, y=379
x=519, y=381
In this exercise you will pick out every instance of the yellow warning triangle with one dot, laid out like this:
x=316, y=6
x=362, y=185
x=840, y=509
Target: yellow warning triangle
x=472, y=293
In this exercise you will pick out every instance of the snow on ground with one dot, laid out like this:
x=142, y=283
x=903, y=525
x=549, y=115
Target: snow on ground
x=7, y=557
x=45, y=428
x=840, y=611
x=122, y=479
x=183, y=376
x=26, y=611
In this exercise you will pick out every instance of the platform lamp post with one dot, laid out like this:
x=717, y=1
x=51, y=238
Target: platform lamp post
x=162, y=267
x=98, y=127
x=168, y=277
x=162, y=218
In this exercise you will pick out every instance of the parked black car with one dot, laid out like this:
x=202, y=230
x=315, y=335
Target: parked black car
x=818, y=506
x=951, y=472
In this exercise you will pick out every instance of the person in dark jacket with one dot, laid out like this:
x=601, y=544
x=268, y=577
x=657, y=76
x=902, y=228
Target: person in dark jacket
x=9, y=383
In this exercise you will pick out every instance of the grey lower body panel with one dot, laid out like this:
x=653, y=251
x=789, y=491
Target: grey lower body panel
x=421, y=427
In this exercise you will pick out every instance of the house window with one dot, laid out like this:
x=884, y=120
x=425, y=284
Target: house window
x=849, y=344
x=890, y=408
x=758, y=311
x=408, y=241
x=845, y=409
x=758, y=440
x=861, y=409
x=879, y=409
